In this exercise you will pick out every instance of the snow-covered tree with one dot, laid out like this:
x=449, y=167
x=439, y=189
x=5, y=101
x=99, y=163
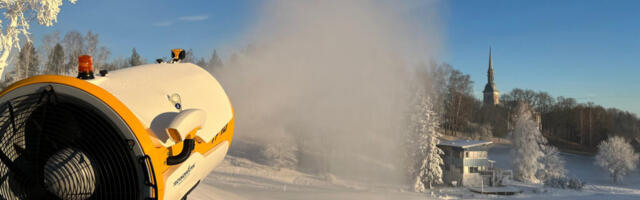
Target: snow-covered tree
x=55, y=64
x=17, y=15
x=101, y=57
x=534, y=159
x=526, y=139
x=120, y=62
x=91, y=41
x=214, y=61
x=135, y=58
x=428, y=169
x=28, y=64
x=73, y=44
x=49, y=42
x=617, y=157
x=552, y=164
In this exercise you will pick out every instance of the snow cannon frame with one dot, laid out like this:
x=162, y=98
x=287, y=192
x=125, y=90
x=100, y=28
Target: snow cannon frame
x=175, y=120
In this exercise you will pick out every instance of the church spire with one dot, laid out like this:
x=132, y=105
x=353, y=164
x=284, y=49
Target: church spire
x=490, y=72
x=491, y=94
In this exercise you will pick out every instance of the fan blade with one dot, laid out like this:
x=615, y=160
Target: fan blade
x=14, y=168
x=19, y=149
x=9, y=163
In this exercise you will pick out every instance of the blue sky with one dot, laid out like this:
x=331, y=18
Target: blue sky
x=155, y=27
x=586, y=49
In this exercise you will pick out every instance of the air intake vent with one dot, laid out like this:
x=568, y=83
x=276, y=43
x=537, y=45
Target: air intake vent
x=55, y=146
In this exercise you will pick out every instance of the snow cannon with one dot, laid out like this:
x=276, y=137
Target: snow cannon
x=145, y=132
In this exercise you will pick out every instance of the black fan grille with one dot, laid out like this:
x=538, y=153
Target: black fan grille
x=34, y=127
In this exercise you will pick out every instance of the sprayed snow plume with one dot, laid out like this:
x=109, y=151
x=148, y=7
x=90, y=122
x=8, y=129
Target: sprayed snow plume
x=330, y=78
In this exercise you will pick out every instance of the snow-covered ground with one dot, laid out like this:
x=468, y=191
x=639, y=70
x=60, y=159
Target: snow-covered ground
x=599, y=184
x=239, y=178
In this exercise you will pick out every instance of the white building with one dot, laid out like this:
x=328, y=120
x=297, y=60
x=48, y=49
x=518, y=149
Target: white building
x=466, y=163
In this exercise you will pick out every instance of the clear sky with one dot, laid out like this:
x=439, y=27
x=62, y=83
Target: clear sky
x=586, y=49
x=155, y=27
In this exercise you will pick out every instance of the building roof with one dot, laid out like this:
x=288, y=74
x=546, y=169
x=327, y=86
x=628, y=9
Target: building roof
x=464, y=143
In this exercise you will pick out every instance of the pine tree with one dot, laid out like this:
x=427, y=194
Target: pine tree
x=55, y=64
x=214, y=61
x=28, y=64
x=135, y=58
x=428, y=157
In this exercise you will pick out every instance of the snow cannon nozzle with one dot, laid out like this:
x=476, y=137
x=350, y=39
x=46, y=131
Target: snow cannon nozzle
x=85, y=67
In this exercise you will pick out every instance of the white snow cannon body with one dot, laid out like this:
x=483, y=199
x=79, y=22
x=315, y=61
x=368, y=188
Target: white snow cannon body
x=145, y=132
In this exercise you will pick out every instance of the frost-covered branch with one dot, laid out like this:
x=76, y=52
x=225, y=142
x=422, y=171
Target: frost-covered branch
x=17, y=15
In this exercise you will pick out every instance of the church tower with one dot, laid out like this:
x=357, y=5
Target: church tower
x=491, y=94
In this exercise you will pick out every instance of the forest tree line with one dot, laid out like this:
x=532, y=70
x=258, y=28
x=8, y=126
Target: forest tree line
x=59, y=55
x=564, y=121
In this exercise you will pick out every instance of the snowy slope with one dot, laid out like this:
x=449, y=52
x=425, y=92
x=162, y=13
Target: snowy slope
x=239, y=178
x=599, y=184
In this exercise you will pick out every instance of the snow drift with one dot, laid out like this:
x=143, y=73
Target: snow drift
x=324, y=85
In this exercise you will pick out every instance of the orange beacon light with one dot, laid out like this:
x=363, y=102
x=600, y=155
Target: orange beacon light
x=85, y=67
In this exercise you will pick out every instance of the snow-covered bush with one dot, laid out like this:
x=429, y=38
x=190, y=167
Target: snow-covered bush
x=553, y=164
x=282, y=153
x=617, y=157
x=564, y=183
x=426, y=169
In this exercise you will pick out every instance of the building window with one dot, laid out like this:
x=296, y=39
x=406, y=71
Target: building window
x=473, y=169
x=466, y=154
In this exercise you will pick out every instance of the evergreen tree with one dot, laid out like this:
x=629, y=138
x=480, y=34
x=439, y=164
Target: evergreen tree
x=201, y=63
x=28, y=64
x=135, y=58
x=214, y=61
x=55, y=64
x=427, y=153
